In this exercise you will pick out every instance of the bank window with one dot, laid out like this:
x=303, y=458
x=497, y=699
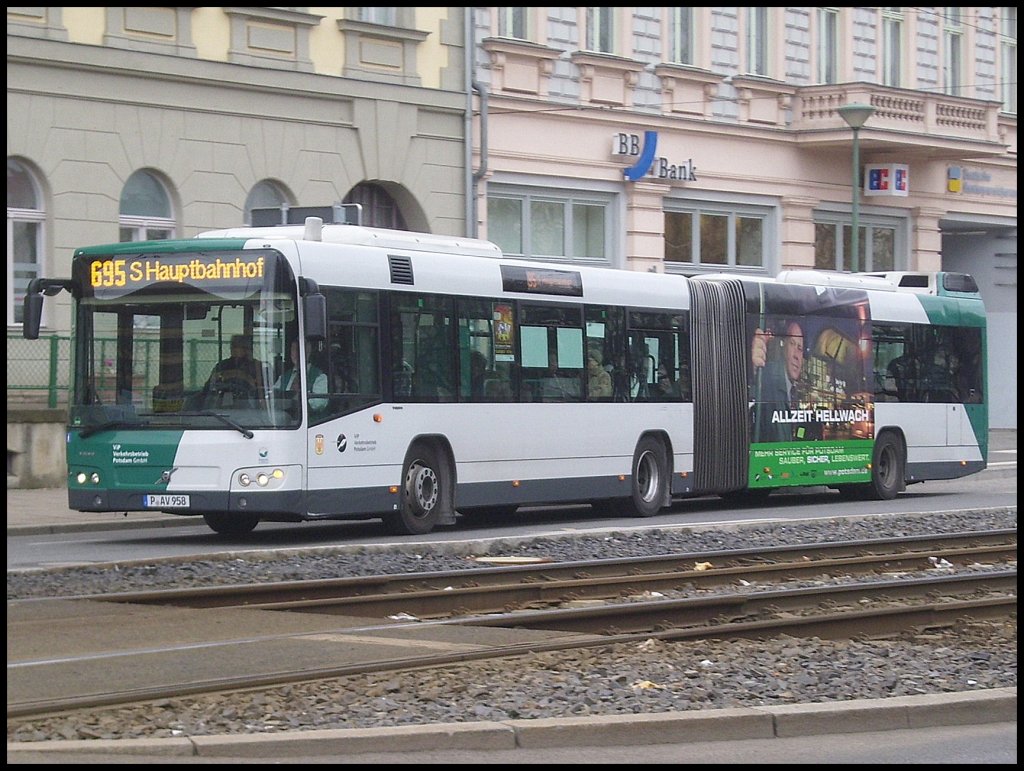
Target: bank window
x=25, y=217
x=828, y=45
x=878, y=246
x=681, y=30
x=892, y=46
x=757, y=41
x=512, y=22
x=1008, y=57
x=549, y=227
x=601, y=30
x=731, y=239
x=952, y=50
x=145, y=209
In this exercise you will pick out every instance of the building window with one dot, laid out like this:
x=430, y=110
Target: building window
x=705, y=237
x=145, y=212
x=378, y=208
x=878, y=246
x=892, y=46
x=512, y=22
x=757, y=41
x=828, y=45
x=380, y=44
x=952, y=50
x=1008, y=58
x=264, y=195
x=25, y=217
x=681, y=41
x=551, y=227
x=601, y=30
x=387, y=17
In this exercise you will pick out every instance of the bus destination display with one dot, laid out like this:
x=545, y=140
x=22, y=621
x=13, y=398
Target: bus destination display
x=116, y=276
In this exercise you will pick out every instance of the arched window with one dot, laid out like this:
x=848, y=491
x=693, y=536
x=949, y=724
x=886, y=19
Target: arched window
x=264, y=195
x=145, y=212
x=25, y=217
x=379, y=209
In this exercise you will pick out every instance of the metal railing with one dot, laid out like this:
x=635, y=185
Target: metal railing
x=38, y=371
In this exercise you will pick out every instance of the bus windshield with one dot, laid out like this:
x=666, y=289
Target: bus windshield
x=176, y=341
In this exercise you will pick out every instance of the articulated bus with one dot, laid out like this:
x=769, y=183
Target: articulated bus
x=437, y=377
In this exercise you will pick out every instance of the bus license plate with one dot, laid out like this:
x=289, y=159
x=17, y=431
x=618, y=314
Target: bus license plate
x=166, y=501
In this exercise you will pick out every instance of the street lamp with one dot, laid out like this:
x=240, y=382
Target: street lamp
x=855, y=115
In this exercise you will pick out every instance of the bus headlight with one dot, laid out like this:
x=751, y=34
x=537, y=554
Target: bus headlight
x=267, y=478
x=95, y=478
x=81, y=478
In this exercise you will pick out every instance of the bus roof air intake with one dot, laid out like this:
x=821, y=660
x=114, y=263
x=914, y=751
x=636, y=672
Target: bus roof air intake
x=401, y=270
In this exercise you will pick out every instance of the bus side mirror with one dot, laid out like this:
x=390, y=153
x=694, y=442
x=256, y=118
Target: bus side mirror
x=33, y=316
x=314, y=310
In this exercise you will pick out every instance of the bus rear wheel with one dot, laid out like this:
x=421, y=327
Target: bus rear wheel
x=649, y=480
x=231, y=523
x=887, y=468
x=887, y=472
x=422, y=493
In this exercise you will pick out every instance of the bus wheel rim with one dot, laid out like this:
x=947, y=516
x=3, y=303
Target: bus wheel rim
x=422, y=487
x=647, y=476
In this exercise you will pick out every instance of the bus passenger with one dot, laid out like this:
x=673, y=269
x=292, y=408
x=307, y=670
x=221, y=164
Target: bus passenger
x=477, y=375
x=556, y=386
x=316, y=381
x=599, y=382
x=665, y=387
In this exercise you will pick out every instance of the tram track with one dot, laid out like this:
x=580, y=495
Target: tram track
x=497, y=589
x=861, y=588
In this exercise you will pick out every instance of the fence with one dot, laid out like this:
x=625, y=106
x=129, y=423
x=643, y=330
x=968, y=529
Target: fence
x=38, y=371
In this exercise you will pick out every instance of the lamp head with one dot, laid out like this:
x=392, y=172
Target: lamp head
x=855, y=115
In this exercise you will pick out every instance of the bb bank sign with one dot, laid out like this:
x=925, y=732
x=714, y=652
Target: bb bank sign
x=642, y=153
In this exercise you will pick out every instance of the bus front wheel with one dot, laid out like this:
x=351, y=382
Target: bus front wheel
x=422, y=493
x=231, y=523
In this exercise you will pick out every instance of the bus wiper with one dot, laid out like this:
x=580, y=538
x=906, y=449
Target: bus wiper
x=85, y=433
x=222, y=418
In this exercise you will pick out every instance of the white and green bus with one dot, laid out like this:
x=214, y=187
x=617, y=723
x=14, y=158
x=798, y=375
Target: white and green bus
x=437, y=377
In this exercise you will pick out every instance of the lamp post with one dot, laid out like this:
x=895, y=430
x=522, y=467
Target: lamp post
x=855, y=115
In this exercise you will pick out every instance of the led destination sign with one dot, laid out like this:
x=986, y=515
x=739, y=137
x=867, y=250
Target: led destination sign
x=122, y=272
x=515, y=278
x=116, y=276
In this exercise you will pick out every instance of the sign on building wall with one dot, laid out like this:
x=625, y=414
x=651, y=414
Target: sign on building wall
x=887, y=179
x=642, y=154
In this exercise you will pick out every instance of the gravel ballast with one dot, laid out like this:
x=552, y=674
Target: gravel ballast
x=645, y=677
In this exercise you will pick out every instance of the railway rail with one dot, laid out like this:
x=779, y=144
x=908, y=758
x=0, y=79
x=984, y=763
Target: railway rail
x=867, y=588
x=496, y=590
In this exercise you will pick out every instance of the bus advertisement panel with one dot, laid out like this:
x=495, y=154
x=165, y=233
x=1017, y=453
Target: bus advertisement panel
x=812, y=410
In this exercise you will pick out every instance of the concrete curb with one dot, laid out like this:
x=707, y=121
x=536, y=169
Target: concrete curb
x=905, y=712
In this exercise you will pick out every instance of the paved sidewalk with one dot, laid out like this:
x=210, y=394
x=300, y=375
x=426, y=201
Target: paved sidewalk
x=45, y=510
